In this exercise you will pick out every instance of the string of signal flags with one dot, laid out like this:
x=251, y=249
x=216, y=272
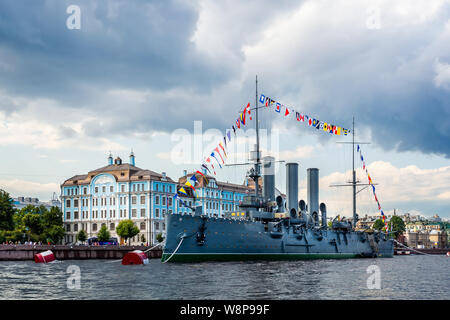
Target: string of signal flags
x=212, y=162
x=383, y=217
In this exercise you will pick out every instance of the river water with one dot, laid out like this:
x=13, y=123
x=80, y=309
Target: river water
x=401, y=277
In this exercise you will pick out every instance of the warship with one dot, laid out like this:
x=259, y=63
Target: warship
x=273, y=228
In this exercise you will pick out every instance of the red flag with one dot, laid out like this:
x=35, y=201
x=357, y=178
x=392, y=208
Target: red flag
x=287, y=112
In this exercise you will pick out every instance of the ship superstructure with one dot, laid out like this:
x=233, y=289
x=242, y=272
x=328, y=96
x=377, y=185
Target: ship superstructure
x=273, y=228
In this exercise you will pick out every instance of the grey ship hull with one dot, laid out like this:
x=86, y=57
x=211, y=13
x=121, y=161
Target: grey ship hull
x=219, y=239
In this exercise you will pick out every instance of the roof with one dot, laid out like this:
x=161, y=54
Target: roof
x=122, y=172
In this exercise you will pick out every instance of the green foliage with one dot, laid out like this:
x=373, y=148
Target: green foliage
x=103, y=234
x=142, y=238
x=53, y=234
x=378, y=225
x=52, y=217
x=33, y=223
x=82, y=236
x=398, y=225
x=159, y=237
x=7, y=211
x=126, y=229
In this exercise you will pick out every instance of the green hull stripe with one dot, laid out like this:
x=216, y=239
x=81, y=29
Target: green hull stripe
x=181, y=257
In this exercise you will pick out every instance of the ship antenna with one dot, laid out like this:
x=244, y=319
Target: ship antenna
x=257, y=143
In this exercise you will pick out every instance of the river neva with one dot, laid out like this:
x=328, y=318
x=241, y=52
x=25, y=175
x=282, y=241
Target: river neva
x=401, y=277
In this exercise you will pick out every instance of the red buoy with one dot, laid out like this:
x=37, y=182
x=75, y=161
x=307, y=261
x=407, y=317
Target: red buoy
x=44, y=257
x=135, y=257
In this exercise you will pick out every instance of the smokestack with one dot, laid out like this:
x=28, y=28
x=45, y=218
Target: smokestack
x=292, y=188
x=323, y=210
x=268, y=178
x=313, y=191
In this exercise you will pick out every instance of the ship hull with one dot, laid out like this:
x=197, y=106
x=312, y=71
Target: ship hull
x=218, y=239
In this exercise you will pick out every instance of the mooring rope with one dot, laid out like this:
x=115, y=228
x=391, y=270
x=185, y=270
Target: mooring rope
x=412, y=248
x=159, y=244
x=174, y=251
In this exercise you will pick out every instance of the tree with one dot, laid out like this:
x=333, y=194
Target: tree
x=126, y=229
x=82, y=236
x=103, y=234
x=159, y=237
x=398, y=226
x=33, y=222
x=52, y=217
x=54, y=234
x=378, y=225
x=7, y=211
x=142, y=238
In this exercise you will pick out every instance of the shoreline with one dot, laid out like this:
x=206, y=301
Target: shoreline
x=63, y=252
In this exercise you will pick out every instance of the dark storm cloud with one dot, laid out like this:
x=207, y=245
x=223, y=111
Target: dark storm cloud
x=120, y=44
x=331, y=66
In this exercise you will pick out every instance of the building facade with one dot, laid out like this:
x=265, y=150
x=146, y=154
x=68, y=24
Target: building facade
x=117, y=192
x=218, y=199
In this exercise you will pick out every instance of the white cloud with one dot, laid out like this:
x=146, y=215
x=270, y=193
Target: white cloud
x=395, y=186
x=17, y=187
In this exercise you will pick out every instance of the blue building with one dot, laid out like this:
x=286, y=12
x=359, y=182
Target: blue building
x=219, y=199
x=116, y=192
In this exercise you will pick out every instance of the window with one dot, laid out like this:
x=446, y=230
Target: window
x=75, y=215
x=142, y=226
x=103, y=189
x=75, y=227
x=111, y=226
x=163, y=213
x=96, y=189
x=170, y=201
x=134, y=188
x=164, y=188
x=133, y=213
x=68, y=228
x=142, y=199
x=157, y=213
x=133, y=200
x=85, y=190
x=111, y=189
x=163, y=201
x=68, y=203
x=157, y=200
x=68, y=215
x=120, y=200
x=142, y=212
x=122, y=188
x=156, y=225
x=156, y=187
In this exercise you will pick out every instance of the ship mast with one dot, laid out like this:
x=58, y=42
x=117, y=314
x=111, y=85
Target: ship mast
x=354, y=183
x=257, y=173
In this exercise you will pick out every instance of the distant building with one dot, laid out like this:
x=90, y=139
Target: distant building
x=116, y=192
x=22, y=202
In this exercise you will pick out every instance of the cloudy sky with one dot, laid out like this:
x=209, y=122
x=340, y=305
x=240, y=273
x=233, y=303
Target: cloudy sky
x=137, y=74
